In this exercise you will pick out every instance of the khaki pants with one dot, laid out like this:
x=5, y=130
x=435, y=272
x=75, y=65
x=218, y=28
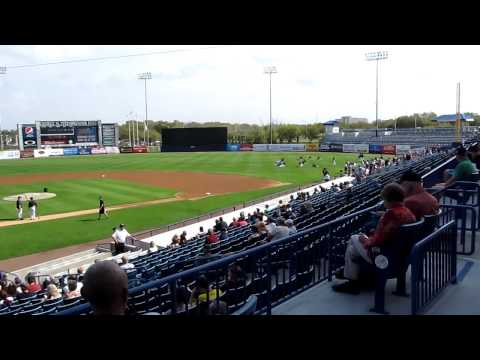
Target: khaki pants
x=355, y=251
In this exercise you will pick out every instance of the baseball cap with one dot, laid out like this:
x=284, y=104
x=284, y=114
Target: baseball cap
x=122, y=225
x=410, y=175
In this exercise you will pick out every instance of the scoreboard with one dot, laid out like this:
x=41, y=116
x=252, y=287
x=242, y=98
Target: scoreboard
x=66, y=134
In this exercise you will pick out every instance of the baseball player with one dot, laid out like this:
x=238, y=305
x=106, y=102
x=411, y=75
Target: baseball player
x=32, y=205
x=19, y=208
x=101, y=209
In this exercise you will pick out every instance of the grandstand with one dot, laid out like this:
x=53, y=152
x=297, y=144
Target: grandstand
x=277, y=273
x=439, y=136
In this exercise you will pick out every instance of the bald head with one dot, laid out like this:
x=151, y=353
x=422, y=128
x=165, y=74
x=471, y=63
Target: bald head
x=105, y=286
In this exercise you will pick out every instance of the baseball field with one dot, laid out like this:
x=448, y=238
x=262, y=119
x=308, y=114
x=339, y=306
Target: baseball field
x=144, y=191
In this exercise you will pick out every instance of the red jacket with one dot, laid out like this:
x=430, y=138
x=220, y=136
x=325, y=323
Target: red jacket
x=393, y=218
x=421, y=204
x=212, y=239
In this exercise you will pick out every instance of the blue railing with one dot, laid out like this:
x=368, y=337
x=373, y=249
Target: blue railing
x=434, y=266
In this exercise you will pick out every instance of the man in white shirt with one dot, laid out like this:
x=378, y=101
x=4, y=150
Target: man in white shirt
x=291, y=228
x=120, y=238
x=279, y=232
x=153, y=247
x=270, y=225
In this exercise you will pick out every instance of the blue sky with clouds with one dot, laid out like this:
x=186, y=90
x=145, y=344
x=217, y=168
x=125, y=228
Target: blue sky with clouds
x=228, y=83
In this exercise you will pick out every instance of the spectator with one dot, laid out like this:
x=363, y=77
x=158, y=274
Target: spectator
x=291, y=228
x=253, y=218
x=181, y=299
x=474, y=155
x=183, y=238
x=242, y=222
x=80, y=273
x=223, y=224
x=33, y=286
x=419, y=201
x=203, y=293
x=72, y=292
x=236, y=277
x=270, y=227
x=72, y=278
x=153, y=248
x=175, y=241
x=125, y=265
x=106, y=288
x=279, y=232
x=462, y=172
x=52, y=293
x=234, y=223
x=201, y=232
x=223, y=235
x=218, y=225
x=359, y=246
x=212, y=238
x=18, y=284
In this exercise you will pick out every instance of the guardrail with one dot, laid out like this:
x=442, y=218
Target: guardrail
x=434, y=266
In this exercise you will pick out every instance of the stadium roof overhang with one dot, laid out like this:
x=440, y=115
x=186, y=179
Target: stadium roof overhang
x=452, y=118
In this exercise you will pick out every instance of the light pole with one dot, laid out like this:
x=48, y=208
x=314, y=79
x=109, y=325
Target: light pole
x=3, y=71
x=270, y=70
x=377, y=56
x=145, y=76
x=129, y=126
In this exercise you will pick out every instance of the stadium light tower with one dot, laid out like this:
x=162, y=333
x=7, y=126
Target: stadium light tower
x=377, y=56
x=145, y=76
x=270, y=70
x=3, y=71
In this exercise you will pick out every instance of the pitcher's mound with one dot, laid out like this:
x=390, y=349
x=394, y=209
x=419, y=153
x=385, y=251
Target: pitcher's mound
x=27, y=196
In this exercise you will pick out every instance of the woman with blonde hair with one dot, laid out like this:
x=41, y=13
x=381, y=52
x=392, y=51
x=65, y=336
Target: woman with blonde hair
x=52, y=292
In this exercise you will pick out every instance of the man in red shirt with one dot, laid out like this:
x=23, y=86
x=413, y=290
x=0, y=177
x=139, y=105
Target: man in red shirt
x=33, y=286
x=212, y=238
x=419, y=201
x=359, y=245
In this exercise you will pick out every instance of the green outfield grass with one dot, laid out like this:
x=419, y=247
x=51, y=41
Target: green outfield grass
x=83, y=194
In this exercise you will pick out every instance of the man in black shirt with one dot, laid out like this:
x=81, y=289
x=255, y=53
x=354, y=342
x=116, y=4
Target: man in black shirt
x=19, y=208
x=101, y=209
x=32, y=205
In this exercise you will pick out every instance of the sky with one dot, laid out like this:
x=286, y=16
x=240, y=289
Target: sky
x=228, y=84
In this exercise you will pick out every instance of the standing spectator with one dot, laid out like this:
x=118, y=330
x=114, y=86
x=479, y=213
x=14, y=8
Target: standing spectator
x=419, y=201
x=359, y=246
x=223, y=224
x=33, y=286
x=218, y=225
x=32, y=206
x=291, y=228
x=106, y=288
x=19, y=208
x=120, y=237
x=212, y=238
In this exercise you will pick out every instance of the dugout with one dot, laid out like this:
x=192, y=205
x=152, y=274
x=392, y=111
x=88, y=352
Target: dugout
x=194, y=139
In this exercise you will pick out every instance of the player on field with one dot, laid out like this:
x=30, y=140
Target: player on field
x=32, y=205
x=101, y=209
x=19, y=208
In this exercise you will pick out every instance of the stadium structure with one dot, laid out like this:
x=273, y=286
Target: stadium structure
x=436, y=268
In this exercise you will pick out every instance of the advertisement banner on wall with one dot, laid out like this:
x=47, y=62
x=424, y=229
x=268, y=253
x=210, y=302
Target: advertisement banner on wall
x=40, y=153
x=126, y=149
x=85, y=151
x=140, y=149
x=361, y=148
x=71, y=151
x=29, y=136
x=375, y=149
x=233, y=147
x=98, y=151
x=112, y=150
x=402, y=149
x=9, y=155
x=55, y=152
x=311, y=147
x=388, y=149
x=348, y=148
x=246, y=147
x=260, y=147
x=324, y=147
x=286, y=147
x=25, y=154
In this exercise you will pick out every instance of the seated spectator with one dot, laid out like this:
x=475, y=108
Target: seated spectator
x=153, y=248
x=236, y=277
x=183, y=238
x=201, y=233
x=18, y=284
x=419, y=201
x=203, y=293
x=234, y=223
x=279, y=232
x=291, y=227
x=80, y=273
x=474, y=155
x=106, y=288
x=8, y=294
x=125, y=265
x=359, y=246
x=223, y=224
x=462, y=172
x=242, y=222
x=223, y=234
x=33, y=286
x=175, y=241
x=212, y=238
x=72, y=290
x=52, y=293
x=218, y=225
x=72, y=278
x=270, y=226
x=253, y=218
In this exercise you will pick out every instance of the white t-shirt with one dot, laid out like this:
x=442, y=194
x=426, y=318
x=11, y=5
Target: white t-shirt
x=280, y=232
x=121, y=235
x=79, y=287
